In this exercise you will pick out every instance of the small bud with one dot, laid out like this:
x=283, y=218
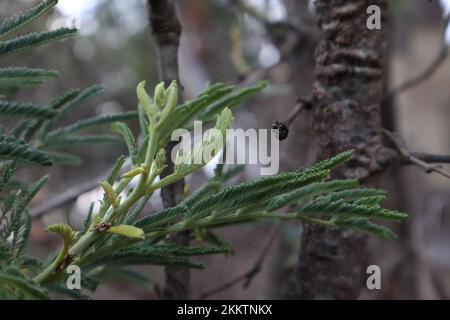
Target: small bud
x=160, y=91
x=127, y=231
x=171, y=101
x=110, y=194
x=160, y=161
x=145, y=101
x=186, y=190
x=136, y=171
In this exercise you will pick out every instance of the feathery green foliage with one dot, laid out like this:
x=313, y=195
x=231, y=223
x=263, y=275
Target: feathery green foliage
x=91, y=122
x=24, y=110
x=12, y=148
x=18, y=285
x=24, y=77
x=18, y=21
x=27, y=142
x=112, y=236
x=33, y=40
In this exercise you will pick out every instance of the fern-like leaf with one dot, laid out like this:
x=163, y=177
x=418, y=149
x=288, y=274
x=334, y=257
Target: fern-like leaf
x=16, y=280
x=162, y=218
x=87, y=220
x=77, y=100
x=20, y=238
x=165, y=249
x=307, y=192
x=232, y=100
x=64, y=158
x=25, y=77
x=17, y=149
x=84, y=140
x=18, y=21
x=122, y=129
x=366, y=226
x=30, y=193
x=8, y=169
x=144, y=256
x=253, y=193
x=32, y=40
x=187, y=111
x=92, y=122
x=24, y=110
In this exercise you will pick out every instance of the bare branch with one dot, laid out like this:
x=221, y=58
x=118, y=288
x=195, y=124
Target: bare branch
x=61, y=199
x=432, y=158
x=413, y=159
x=249, y=275
x=166, y=30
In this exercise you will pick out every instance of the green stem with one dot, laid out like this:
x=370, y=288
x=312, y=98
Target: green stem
x=92, y=235
x=212, y=221
x=44, y=275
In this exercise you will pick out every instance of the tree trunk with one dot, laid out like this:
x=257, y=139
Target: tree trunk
x=346, y=97
x=166, y=30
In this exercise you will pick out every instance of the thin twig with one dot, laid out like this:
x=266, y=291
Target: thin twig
x=302, y=104
x=432, y=158
x=410, y=158
x=249, y=275
x=61, y=199
x=427, y=73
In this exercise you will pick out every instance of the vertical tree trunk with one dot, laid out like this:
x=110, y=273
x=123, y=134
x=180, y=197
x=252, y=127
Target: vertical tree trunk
x=166, y=30
x=347, y=95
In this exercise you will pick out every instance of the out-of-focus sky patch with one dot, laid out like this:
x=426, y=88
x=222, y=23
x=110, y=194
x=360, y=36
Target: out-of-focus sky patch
x=77, y=7
x=132, y=15
x=274, y=9
x=77, y=13
x=445, y=5
x=269, y=55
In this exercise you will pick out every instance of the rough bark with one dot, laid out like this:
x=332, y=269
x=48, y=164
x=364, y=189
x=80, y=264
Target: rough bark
x=166, y=30
x=346, y=96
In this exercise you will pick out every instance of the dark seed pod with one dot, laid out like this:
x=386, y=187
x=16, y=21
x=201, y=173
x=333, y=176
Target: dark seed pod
x=283, y=129
x=307, y=104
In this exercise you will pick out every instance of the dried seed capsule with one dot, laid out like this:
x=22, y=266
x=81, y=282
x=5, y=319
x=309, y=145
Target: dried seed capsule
x=283, y=129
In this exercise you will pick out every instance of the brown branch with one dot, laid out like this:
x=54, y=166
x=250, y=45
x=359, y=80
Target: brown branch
x=427, y=72
x=166, y=30
x=432, y=158
x=249, y=275
x=61, y=199
x=409, y=157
